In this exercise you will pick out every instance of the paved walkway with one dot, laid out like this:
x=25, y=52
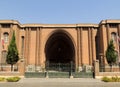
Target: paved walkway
x=58, y=82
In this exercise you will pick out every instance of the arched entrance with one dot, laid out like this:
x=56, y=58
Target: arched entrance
x=59, y=50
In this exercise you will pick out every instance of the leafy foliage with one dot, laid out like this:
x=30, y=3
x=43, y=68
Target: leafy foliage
x=111, y=54
x=2, y=79
x=12, y=54
x=112, y=79
x=13, y=79
x=106, y=79
x=9, y=79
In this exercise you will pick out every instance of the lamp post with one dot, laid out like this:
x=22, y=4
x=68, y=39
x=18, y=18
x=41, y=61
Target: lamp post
x=71, y=67
x=47, y=68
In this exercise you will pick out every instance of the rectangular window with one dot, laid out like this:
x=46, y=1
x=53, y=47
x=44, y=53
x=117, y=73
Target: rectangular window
x=85, y=28
x=6, y=37
x=113, y=25
x=22, y=47
x=5, y=25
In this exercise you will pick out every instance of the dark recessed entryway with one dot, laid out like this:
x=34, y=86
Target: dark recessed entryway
x=59, y=48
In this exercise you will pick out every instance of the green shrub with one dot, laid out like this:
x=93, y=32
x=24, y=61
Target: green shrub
x=106, y=79
x=13, y=79
x=115, y=79
x=112, y=79
x=2, y=79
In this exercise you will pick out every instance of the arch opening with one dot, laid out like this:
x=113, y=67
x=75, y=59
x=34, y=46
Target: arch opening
x=59, y=48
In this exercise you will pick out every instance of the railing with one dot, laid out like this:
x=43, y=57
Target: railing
x=7, y=68
x=59, y=70
x=58, y=74
x=64, y=67
x=107, y=68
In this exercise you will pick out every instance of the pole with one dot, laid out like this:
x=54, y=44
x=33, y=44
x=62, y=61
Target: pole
x=47, y=68
x=71, y=67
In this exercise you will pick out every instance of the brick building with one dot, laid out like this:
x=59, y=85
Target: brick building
x=58, y=43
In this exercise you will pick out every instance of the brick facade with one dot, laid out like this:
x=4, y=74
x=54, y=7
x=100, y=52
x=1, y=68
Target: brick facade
x=87, y=40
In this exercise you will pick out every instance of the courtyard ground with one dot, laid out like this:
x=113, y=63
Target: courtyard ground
x=59, y=82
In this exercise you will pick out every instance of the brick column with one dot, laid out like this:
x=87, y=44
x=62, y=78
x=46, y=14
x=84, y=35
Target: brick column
x=37, y=58
x=78, y=47
x=37, y=40
x=102, y=40
x=0, y=43
x=42, y=64
x=29, y=43
x=93, y=45
x=17, y=37
x=0, y=31
x=11, y=32
x=26, y=46
x=108, y=33
x=39, y=46
x=118, y=30
x=81, y=47
x=89, y=45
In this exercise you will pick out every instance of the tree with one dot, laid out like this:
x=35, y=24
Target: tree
x=111, y=54
x=12, y=54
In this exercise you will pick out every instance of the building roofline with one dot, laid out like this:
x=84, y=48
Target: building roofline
x=110, y=21
x=48, y=25
x=60, y=25
x=10, y=21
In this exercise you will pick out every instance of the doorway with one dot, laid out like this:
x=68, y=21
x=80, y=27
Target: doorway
x=59, y=51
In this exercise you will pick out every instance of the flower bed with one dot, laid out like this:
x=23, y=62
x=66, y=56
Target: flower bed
x=2, y=79
x=112, y=79
x=9, y=79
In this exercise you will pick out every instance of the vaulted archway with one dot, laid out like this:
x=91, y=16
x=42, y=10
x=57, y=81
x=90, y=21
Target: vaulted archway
x=59, y=48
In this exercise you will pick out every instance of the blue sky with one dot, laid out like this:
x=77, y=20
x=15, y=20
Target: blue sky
x=59, y=11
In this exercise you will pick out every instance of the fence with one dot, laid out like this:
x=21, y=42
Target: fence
x=101, y=71
x=58, y=70
x=58, y=74
x=64, y=67
x=7, y=68
x=114, y=68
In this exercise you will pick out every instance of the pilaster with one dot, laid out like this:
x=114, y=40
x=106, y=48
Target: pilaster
x=105, y=40
x=38, y=42
x=78, y=47
x=108, y=33
x=0, y=47
x=17, y=36
x=81, y=46
x=0, y=31
x=93, y=44
x=29, y=43
x=102, y=40
x=36, y=52
x=11, y=32
x=90, y=45
x=39, y=46
x=26, y=46
x=118, y=29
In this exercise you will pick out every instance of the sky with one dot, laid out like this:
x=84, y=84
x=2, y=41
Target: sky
x=59, y=11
